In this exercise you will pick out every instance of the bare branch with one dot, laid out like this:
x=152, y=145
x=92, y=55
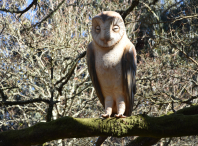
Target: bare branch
x=2, y=103
x=67, y=77
x=141, y=125
x=194, y=61
x=130, y=9
x=175, y=4
x=34, y=2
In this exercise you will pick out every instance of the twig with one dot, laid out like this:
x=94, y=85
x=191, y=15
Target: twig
x=126, y=12
x=25, y=102
x=183, y=52
x=34, y=2
x=76, y=61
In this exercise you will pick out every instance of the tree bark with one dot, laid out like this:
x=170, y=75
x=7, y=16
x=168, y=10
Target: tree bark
x=173, y=125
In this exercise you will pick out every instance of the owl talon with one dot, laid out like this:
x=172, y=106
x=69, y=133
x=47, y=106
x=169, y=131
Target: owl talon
x=105, y=115
x=119, y=116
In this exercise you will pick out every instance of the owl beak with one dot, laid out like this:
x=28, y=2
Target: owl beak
x=106, y=41
x=105, y=36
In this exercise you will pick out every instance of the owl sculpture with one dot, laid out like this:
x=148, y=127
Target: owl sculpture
x=111, y=59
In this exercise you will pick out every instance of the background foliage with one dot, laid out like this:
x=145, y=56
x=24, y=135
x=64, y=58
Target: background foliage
x=43, y=71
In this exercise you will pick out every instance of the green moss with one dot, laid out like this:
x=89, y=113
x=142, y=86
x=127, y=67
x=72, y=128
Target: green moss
x=172, y=125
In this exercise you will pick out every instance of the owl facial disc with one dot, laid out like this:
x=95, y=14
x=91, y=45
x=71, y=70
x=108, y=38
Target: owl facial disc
x=107, y=29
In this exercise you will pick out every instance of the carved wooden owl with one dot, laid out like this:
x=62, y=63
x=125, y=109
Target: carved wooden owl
x=111, y=59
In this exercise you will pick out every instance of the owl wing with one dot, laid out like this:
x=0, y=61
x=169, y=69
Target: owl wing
x=128, y=76
x=92, y=72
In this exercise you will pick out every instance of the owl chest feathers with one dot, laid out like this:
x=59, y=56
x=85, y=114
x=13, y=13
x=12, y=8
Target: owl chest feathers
x=108, y=60
x=109, y=69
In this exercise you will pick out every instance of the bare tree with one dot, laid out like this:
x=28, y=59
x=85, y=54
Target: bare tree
x=44, y=75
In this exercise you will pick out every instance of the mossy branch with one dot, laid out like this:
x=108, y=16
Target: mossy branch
x=173, y=125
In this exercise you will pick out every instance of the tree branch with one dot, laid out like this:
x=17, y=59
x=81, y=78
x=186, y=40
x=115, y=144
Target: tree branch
x=3, y=96
x=46, y=17
x=149, y=8
x=147, y=141
x=133, y=5
x=25, y=102
x=127, y=11
x=194, y=61
x=69, y=74
x=173, y=5
x=34, y=2
x=173, y=125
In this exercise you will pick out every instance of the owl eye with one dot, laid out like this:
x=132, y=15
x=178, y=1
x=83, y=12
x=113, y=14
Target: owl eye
x=97, y=29
x=116, y=28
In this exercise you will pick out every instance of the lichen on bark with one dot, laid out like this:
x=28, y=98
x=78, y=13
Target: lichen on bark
x=173, y=125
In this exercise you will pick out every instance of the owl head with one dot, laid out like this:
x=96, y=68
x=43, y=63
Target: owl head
x=107, y=29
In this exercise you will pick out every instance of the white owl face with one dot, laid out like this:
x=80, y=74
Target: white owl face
x=107, y=29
